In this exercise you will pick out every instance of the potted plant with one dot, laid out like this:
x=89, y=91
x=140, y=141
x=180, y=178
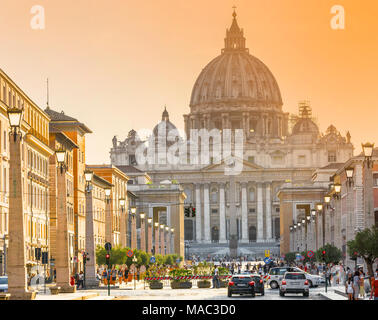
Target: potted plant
x=155, y=272
x=223, y=272
x=181, y=283
x=202, y=269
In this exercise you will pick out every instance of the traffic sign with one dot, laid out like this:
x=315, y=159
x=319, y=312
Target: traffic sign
x=108, y=246
x=152, y=259
x=267, y=260
x=75, y=259
x=267, y=253
x=130, y=253
x=310, y=254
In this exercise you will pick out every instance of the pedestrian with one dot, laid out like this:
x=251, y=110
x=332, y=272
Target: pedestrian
x=356, y=285
x=374, y=286
x=81, y=280
x=349, y=289
x=362, y=284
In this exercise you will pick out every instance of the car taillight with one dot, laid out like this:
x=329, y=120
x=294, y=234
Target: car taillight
x=261, y=281
x=231, y=283
x=306, y=283
x=252, y=283
x=283, y=282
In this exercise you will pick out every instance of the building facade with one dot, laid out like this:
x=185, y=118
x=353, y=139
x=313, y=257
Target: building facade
x=237, y=91
x=76, y=131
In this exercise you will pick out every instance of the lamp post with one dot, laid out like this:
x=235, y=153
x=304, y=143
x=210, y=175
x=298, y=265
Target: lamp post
x=368, y=149
x=167, y=240
x=133, y=228
x=142, y=232
x=62, y=236
x=295, y=237
x=16, y=264
x=162, y=239
x=107, y=194
x=291, y=228
x=90, y=254
x=172, y=240
x=319, y=208
x=149, y=235
x=135, y=270
x=156, y=237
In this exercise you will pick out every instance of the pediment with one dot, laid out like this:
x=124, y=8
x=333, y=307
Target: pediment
x=216, y=167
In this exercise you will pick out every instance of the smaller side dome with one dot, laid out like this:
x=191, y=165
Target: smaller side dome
x=305, y=125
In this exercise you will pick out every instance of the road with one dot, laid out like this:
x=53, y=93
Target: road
x=203, y=294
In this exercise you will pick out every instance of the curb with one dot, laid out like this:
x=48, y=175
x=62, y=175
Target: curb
x=86, y=297
x=324, y=296
x=341, y=293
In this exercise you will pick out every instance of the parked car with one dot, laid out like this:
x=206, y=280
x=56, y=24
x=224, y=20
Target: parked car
x=241, y=284
x=4, y=284
x=276, y=275
x=294, y=282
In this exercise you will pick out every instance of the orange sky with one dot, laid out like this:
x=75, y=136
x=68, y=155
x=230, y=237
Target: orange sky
x=113, y=64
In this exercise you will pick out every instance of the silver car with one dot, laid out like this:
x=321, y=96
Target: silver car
x=3, y=283
x=276, y=275
x=294, y=282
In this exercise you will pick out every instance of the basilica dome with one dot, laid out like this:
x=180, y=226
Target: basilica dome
x=236, y=75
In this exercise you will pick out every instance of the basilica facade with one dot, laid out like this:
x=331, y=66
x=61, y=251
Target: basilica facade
x=237, y=91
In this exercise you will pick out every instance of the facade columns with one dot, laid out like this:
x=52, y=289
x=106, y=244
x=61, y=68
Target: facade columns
x=244, y=209
x=206, y=204
x=222, y=214
x=260, y=222
x=90, y=265
x=198, y=213
x=268, y=217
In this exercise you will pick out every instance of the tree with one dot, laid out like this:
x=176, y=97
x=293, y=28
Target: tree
x=290, y=257
x=332, y=254
x=366, y=245
x=117, y=256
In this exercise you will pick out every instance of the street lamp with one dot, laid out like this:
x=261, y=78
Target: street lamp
x=319, y=207
x=107, y=194
x=149, y=220
x=61, y=159
x=142, y=215
x=308, y=219
x=15, y=117
x=349, y=174
x=337, y=187
x=367, y=149
x=88, y=174
x=122, y=203
x=133, y=210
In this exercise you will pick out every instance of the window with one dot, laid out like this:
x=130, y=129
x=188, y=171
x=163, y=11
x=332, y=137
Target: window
x=252, y=210
x=277, y=160
x=375, y=178
x=251, y=194
x=5, y=140
x=251, y=159
x=331, y=156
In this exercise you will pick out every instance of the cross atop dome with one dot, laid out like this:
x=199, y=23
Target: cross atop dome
x=234, y=36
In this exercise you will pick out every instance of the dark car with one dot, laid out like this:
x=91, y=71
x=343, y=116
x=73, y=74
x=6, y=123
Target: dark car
x=241, y=284
x=259, y=283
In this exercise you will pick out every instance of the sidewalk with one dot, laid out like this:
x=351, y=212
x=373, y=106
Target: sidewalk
x=338, y=293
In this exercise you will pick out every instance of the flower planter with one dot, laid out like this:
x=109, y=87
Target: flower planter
x=181, y=285
x=156, y=285
x=204, y=284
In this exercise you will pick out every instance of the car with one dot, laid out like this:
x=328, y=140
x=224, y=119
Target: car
x=259, y=283
x=276, y=274
x=3, y=283
x=294, y=282
x=241, y=284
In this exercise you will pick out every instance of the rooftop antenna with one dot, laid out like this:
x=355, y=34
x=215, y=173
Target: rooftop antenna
x=47, y=103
